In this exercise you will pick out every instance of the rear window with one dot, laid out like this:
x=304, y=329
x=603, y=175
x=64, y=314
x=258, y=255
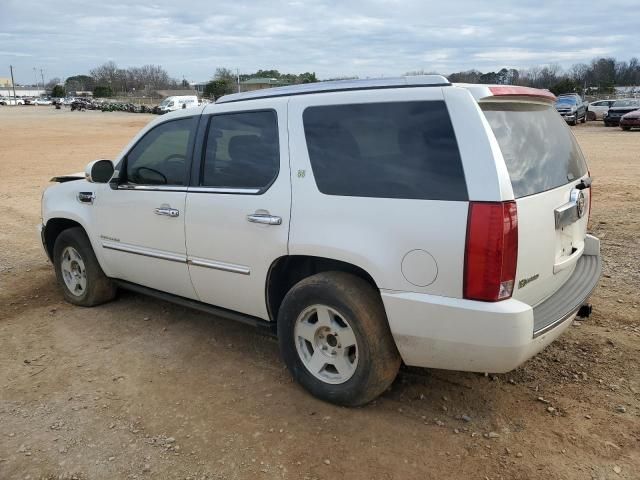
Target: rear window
x=386, y=150
x=538, y=147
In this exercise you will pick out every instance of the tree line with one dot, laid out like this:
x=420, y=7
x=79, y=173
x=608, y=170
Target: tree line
x=224, y=81
x=598, y=76
x=108, y=79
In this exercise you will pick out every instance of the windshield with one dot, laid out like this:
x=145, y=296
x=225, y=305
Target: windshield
x=566, y=101
x=165, y=102
x=539, y=150
x=627, y=103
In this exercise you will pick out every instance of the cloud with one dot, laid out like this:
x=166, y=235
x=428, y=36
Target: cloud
x=363, y=38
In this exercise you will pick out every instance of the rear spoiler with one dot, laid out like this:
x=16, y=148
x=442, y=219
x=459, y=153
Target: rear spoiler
x=68, y=178
x=508, y=92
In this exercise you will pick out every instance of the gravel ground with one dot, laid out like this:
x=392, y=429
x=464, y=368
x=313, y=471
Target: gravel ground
x=140, y=388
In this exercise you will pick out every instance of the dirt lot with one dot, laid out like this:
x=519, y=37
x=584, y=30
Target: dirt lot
x=143, y=389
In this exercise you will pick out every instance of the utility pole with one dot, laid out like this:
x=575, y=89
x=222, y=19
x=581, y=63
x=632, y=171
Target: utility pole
x=42, y=75
x=238, y=77
x=13, y=84
x=35, y=77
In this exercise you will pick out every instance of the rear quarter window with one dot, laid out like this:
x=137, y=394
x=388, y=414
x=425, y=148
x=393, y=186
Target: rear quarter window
x=538, y=147
x=387, y=150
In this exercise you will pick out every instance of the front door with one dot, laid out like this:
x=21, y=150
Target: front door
x=140, y=223
x=237, y=220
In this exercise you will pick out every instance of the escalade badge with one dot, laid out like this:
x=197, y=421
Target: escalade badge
x=526, y=281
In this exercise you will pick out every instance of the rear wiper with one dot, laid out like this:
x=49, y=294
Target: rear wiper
x=584, y=183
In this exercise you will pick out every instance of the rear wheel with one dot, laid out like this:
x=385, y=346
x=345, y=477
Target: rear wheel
x=591, y=116
x=626, y=128
x=335, y=339
x=78, y=272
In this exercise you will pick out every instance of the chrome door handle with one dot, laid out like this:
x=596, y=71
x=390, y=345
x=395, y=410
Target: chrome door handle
x=168, y=211
x=264, y=218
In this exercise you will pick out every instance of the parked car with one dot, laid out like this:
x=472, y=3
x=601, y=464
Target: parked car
x=11, y=101
x=572, y=108
x=42, y=101
x=598, y=109
x=363, y=222
x=170, y=104
x=630, y=120
x=620, y=108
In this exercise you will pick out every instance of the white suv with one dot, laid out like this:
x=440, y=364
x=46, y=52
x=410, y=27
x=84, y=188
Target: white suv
x=365, y=223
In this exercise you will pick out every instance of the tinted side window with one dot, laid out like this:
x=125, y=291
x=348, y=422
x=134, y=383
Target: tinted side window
x=241, y=150
x=160, y=157
x=387, y=150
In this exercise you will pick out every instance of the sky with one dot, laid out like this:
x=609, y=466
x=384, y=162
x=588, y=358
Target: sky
x=334, y=39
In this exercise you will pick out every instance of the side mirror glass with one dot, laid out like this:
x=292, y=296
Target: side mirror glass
x=99, y=171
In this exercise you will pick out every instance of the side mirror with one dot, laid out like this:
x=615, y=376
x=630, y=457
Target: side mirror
x=99, y=171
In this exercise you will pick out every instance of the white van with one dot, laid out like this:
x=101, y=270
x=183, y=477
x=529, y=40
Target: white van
x=170, y=104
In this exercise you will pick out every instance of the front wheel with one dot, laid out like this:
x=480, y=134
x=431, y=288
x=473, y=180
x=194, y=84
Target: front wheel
x=78, y=272
x=626, y=129
x=335, y=339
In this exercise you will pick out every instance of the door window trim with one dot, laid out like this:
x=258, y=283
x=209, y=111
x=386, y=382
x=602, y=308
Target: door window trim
x=197, y=176
x=188, y=161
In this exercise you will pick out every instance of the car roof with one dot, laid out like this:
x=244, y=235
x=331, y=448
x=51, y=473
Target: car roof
x=339, y=86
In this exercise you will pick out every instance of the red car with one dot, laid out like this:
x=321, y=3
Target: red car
x=630, y=120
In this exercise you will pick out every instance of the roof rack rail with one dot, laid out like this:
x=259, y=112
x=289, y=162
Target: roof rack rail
x=339, y=86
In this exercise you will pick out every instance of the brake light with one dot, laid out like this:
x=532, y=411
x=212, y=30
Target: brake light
x=491, y=252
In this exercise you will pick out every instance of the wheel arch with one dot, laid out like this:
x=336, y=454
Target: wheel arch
x=288, y=270
x=53, y=228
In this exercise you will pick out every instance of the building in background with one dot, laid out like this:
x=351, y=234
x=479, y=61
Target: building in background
x=5, y=82
x=174, y=93
x=7, y=91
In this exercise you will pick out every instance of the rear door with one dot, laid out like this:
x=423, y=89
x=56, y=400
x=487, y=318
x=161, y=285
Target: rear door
x=237, y=213
x=550, y=184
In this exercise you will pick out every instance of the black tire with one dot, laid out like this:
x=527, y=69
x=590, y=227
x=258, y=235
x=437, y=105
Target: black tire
x=99, y=288
x=591, y=116
x=626, y=129
x=584, y=118
x=360, y=305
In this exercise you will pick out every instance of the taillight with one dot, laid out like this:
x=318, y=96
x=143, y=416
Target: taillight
x=491, y=252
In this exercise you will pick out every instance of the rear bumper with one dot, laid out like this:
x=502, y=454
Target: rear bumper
x=454, y=334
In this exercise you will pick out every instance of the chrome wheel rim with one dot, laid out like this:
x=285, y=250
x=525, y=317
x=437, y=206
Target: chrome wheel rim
x=326, y=344
x=74, y=272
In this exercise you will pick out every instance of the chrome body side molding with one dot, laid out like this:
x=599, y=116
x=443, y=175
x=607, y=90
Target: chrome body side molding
x=225, y=267
x=146, y=252
x=175, y=257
